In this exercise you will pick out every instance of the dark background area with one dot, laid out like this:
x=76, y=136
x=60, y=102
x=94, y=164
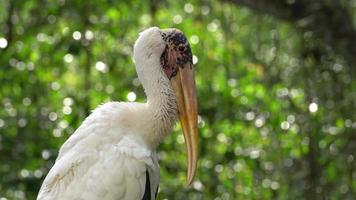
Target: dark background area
x=276, y=85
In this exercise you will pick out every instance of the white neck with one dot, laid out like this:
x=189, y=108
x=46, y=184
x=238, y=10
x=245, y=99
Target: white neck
x=161, y=102
x=162, y=106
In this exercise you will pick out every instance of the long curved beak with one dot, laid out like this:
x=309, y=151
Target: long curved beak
x=185, y=90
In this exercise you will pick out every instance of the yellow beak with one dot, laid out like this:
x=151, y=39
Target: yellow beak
x=184, y=88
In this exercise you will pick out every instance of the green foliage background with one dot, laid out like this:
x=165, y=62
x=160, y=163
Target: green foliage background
x=274, y=122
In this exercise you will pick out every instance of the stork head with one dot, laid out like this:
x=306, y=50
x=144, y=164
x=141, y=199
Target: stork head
x=166, y=53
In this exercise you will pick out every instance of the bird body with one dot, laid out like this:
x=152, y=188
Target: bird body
x=106, y=158
x=112, y=155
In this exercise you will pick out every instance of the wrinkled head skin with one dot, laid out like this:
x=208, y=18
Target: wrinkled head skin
x=177, y=52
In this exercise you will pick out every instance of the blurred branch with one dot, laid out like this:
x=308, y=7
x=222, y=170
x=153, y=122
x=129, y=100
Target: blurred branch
x=280, y=9
x=329, y=21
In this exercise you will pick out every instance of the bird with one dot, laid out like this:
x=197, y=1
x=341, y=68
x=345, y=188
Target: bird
x=113, y=153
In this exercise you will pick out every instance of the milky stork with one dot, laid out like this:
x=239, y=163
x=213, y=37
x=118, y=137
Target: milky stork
x=112, y=155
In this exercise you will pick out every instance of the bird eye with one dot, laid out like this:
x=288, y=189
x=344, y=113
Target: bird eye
x=181, y=48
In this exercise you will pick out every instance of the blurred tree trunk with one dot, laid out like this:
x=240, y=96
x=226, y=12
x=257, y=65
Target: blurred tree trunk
x=327, y=21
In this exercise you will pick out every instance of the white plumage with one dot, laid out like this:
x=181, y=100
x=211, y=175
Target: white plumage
x=109, y=155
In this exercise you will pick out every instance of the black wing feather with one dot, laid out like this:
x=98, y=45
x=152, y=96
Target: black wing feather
x=156, y=192
x=147, y=195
